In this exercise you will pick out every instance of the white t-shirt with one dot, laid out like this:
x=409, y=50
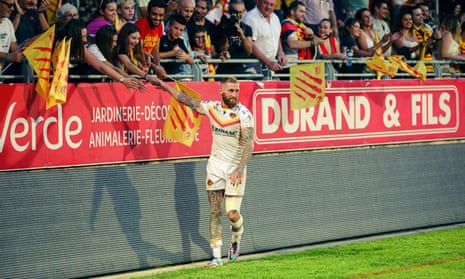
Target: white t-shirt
x=226, y=126
x=264, y=34
x=93, y=48
x=7, y=35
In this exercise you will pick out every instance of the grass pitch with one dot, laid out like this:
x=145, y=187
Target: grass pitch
x=437, y=254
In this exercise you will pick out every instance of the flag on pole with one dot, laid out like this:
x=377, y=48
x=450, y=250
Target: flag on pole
x=38, y=53
x=307, y=85
x=51, y=11
x=59, y=86
x=182, y=123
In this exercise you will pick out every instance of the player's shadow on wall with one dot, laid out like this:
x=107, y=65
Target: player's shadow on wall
x=188, y=209
x=125, y=200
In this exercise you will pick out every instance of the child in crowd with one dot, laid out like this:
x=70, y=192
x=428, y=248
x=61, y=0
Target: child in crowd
x=172, y=46
x=126, y=10
x=105, y=15
x=197, y=38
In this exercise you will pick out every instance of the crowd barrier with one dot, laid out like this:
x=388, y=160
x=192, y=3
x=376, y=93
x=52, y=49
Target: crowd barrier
x=439, y=66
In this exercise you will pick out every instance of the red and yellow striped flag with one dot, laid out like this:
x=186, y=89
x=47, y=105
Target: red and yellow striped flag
x=399, y=60
x=51, y=11
x=307, y=85
x=38, y=53
x=182, y=122
x=381, y=67
x=59, y=87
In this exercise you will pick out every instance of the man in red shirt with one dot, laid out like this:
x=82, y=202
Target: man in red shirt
x=151, y=30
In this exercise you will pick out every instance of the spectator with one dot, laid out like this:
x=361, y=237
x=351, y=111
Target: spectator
x=296, y=38
x=328, y=48
x=65, y=14
x=199, y=48
x=266, y=30
x=172, y=46
x=349, y=41
x=427, y=18
x=457, y=10
x=185, y=8
x=81, y=57
x=406, y=42
x=125, y=13
x=424, y=35
x=316, y=10
x=9, y=49
x=368, y=43
x=202, y=7
x=151, y=30
x=448, y=46
x=234, y=39
x=29, y=19
x=104, y=48
x=131, y=57
x=105, y=15
x=381, y=27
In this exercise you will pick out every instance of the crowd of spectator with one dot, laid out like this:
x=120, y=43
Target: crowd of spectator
x=128, y=39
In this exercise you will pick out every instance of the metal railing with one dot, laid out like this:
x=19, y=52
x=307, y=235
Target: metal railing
x=330, y=71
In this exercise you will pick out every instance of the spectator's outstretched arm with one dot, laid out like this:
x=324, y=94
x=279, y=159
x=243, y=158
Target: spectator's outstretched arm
x=130, y=83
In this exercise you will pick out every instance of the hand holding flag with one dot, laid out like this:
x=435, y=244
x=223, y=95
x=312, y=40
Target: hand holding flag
x=182, y=122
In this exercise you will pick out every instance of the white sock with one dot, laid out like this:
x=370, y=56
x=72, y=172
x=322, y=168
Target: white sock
x=216, y=248
x=217, y=252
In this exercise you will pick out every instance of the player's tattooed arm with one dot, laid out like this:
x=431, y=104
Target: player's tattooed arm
x=187, y=100
x=245, y=140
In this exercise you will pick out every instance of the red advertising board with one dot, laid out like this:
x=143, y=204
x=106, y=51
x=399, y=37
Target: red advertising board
x=105, y=123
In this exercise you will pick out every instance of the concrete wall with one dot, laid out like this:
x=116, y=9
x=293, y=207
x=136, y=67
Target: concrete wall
x=78, y=222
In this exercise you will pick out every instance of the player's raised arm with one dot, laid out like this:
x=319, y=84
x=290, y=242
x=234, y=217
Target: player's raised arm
x=182, y=97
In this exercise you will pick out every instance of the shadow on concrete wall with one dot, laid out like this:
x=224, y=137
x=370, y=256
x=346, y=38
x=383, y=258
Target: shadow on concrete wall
x=125, y=200
x=188, y=209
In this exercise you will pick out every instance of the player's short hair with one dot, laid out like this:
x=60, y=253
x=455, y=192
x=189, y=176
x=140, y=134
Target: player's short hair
x=229, y=79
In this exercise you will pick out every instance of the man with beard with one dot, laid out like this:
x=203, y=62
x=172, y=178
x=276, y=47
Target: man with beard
x=232, y=129
x=202, y=7
x=151, y=30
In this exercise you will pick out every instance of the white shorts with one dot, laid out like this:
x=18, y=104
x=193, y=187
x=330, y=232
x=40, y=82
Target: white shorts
x=218, y=173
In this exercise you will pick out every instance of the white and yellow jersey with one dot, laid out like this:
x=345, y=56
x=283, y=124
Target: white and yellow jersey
x=226, y=126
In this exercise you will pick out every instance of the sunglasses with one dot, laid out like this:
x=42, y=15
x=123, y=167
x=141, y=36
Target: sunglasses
x=9, y=5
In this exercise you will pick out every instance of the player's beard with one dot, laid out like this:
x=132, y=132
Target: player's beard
x=230, y=102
